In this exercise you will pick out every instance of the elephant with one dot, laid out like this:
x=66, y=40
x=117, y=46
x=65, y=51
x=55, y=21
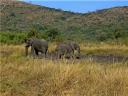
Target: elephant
x=37, y=45
x=63, y=50
x=75, y=47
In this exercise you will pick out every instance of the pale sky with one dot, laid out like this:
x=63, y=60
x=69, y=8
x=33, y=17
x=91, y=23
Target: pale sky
x=81, y=6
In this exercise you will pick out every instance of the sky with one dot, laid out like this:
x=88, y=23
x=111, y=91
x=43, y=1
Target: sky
x=80, y=6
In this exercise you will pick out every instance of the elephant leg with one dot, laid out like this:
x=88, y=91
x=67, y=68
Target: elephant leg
x=78, y=53
x=46, y=52
x=59, y=56
x=33, y=51
x=36, y=52
x=43, y=53
x=73, y=54
x=26, y=51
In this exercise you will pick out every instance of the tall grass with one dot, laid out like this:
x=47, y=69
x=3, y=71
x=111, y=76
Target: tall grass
x=25, y=76
x=105, y=49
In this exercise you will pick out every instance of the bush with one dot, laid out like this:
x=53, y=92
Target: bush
x=52, y=34
x=12, y=37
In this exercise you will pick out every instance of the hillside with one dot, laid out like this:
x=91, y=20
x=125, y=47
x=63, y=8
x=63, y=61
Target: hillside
x=106, y=24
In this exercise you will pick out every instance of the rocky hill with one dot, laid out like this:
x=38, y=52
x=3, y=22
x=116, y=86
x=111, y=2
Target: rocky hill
x=106, y=24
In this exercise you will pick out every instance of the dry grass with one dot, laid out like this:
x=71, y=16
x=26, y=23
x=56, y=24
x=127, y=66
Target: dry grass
x=103, y=49
x=21, y=76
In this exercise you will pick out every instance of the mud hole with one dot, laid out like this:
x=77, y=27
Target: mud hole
x=96, y=58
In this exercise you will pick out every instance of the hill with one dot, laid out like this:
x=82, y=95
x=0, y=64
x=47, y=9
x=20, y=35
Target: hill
x=102, y=25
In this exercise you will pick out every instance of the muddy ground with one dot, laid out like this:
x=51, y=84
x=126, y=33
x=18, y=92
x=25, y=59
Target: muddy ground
x=97, y=58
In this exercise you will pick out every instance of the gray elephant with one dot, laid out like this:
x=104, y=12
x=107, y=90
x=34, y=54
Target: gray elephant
x=37, y=45
x=64, y=50
x=75, y=47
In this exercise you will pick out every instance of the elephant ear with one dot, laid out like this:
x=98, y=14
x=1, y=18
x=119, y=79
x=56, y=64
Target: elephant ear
x=30, y=40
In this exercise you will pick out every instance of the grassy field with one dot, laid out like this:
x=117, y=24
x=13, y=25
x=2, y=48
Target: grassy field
x=21, y=76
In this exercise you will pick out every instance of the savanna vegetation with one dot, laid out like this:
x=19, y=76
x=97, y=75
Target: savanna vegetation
x=101, y=25
x=25, y=76
x=100, y=33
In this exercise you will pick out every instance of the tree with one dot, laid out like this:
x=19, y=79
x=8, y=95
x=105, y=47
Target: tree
x=33, y=33
x=118, y=33
x=52, y=34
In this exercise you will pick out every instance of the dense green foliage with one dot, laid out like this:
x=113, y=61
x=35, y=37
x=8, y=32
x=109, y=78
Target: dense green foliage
x=19, y=37
x=21, y=20
x=13, y=38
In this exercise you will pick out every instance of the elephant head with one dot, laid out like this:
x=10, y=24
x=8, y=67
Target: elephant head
x=75, y=48
x=28, y=42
